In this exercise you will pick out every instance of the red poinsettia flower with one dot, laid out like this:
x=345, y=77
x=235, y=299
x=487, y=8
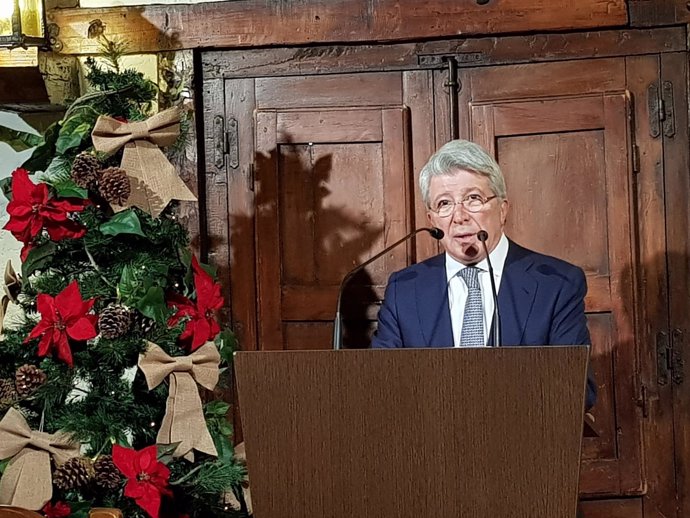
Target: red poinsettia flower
x=57, y=510
x=32, y=209
x=63, y=317
x=202, y=325
x=147, y=478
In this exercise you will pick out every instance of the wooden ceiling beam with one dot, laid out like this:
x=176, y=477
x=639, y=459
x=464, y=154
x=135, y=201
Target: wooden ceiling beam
x=251, y=23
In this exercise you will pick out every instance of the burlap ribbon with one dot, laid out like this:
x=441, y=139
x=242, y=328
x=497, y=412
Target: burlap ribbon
x=153, y=179
x=11, y=289
x=184, y=417
x=27, y=480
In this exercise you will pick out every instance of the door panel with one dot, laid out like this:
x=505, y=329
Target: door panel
x=334, y=190
x=568, y=172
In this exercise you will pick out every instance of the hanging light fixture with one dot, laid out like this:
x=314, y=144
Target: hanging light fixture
x=22, y=23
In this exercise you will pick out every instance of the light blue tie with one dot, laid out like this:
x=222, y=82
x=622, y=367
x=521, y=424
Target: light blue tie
x=472, y=334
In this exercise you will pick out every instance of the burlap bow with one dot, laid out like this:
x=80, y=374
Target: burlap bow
x=184, y=417
x=11, y=290
x=27, y=480
x=153, y=179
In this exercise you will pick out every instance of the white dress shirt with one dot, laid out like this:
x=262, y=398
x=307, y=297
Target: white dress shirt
x=457, y=289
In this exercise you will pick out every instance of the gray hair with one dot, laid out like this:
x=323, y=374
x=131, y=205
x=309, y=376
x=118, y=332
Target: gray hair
x=464, y=155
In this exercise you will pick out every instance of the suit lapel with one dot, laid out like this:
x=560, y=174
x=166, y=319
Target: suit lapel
x=431, y=298
x=516, y=294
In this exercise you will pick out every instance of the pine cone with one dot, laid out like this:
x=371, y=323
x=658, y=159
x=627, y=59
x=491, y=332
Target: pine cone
x=107, y=475
x=114, y=321
x=114, y=185
x=8, y=393
x=28, y=379
x=73, y=474
x=142, y=323
x=85, y=170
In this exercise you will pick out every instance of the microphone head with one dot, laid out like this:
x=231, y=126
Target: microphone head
x=482, y=235
x=436, y=233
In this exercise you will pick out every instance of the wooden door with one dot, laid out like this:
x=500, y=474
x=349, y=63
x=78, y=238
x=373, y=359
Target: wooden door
x=311, y=193
x=322, y=181
x=332, y=188
x=562, y=135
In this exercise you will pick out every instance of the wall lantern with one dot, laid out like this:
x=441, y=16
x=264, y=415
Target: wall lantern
x=23, y=24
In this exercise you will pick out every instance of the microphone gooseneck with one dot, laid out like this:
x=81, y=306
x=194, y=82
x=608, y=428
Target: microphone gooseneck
x=482, y=236
x=436, y=233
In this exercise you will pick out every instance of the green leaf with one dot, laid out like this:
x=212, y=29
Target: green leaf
x=216, y=409
x=128, y=286
x=164, y=452
x=80, y=509
x=19, y=140
x=6, y=187
x=153, y=305
x=126, y=222
x=69, y=189
x=38, y=258
x=3, y=464
x=210, y=269
x=44, y=153
x=226, y=341
x=72, y=133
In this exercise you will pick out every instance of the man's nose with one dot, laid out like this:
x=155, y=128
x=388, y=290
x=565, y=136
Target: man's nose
x=460, y=213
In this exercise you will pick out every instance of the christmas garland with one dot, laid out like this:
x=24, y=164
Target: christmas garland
x=118, y=334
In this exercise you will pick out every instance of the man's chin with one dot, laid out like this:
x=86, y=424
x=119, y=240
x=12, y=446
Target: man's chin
x=469, y=254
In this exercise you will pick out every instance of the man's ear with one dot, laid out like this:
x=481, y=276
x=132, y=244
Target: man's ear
x=505, y=205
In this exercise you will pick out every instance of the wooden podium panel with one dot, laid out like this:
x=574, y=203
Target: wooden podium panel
x=410, y=433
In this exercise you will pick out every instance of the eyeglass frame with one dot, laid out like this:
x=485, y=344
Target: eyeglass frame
x=453, y=205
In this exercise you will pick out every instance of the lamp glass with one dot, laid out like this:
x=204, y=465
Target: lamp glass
x=32, y=17
x=6, y=14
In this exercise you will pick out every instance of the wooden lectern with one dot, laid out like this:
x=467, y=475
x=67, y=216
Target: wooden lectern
x=413, y=433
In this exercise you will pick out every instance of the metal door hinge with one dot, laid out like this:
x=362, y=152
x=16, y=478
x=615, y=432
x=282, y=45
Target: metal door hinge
x=643, y=400
x=225, y=142
x=661, y=108
x=669, y=358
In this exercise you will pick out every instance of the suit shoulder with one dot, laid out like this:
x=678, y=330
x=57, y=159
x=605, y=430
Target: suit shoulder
x=549, y=265
x=419, y=269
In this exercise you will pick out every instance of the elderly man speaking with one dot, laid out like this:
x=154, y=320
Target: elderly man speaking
x=447, y=300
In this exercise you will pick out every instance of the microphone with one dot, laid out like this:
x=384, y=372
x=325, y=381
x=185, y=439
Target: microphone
x=436, y=233
x=482, y=236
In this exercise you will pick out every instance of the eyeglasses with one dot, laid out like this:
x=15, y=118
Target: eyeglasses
x=471, y=203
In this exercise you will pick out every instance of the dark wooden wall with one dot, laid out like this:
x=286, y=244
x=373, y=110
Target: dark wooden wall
x=617, y=49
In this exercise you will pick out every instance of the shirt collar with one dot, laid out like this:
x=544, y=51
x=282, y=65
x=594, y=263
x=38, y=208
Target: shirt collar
x=498, y=259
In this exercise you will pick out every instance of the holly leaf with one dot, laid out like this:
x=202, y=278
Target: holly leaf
x=216, y=408
x=38, y=258
x=153, y=305
x=128, y=286
x=19, y=140
x=126, y=222
x=44, y=153
x=226, y=341
x=74, y=130
x=80, y=509
x=68, y=189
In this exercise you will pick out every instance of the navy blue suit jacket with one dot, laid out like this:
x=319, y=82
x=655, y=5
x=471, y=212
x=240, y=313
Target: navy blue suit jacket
x=541, y=302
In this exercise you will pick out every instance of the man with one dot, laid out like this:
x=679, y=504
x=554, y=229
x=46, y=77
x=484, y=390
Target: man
x=447, y=300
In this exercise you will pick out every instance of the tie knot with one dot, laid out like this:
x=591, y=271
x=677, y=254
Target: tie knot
x=471, y=276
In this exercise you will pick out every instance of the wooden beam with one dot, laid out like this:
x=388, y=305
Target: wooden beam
x=248, y=23
x=650, y=13
x=469, y=52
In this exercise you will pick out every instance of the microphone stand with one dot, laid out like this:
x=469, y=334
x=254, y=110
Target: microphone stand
x=436, y=233
x=482, y=236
